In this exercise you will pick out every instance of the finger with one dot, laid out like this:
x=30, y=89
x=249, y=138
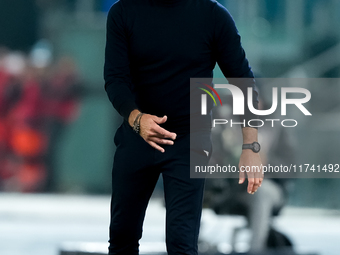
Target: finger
x=242, y=177
x=163, y=133
x=258, y=177
x=155, y=137
x=161, y=141
x=160, y=120
x=156, y=146
x=250, y=185
x=256, y=184
x=260, y=182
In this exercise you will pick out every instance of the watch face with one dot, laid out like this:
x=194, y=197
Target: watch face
x=256, y=147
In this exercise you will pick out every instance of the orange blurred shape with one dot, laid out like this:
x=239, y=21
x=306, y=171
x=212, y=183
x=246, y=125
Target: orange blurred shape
x=28, y=142
x=31, y=177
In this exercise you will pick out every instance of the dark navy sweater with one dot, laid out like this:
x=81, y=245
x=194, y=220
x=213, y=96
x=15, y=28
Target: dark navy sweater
x=154, y=47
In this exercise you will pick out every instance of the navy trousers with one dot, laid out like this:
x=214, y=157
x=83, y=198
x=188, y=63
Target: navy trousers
x=136, y=169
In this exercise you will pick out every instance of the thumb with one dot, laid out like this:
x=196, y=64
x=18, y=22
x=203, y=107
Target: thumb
x=242, y=177
x=159, y=120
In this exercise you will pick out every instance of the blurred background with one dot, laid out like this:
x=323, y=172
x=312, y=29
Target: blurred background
x=57, y=127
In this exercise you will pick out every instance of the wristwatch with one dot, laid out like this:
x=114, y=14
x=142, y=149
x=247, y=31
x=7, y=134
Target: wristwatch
x=255, y=147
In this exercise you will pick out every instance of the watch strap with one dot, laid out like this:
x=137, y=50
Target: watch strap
x=247, y=146
x=255, y=147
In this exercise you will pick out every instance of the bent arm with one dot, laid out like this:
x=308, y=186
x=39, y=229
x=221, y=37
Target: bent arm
x=117, y=75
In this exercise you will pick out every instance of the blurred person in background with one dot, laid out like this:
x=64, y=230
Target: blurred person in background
x=5, y=98
x=27, y=136
x=14, y=68
x=19, y=31
x=153, y=48
x=38, y=100
x=62, y=91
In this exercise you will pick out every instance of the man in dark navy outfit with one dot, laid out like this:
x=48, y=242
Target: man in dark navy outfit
x=153, y=49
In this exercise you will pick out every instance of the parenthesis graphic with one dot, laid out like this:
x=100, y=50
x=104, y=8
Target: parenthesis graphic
x=209, y=95
x=218, y=96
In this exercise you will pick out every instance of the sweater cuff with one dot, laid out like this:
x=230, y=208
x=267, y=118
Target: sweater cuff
x=126, y=108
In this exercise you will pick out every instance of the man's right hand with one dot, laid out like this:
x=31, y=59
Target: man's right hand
x=151, y=132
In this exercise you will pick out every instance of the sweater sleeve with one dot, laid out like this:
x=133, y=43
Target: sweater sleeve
x=117, y=77
x=231, y=58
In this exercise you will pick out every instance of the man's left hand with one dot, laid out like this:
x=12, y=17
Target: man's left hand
x=250, y=163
